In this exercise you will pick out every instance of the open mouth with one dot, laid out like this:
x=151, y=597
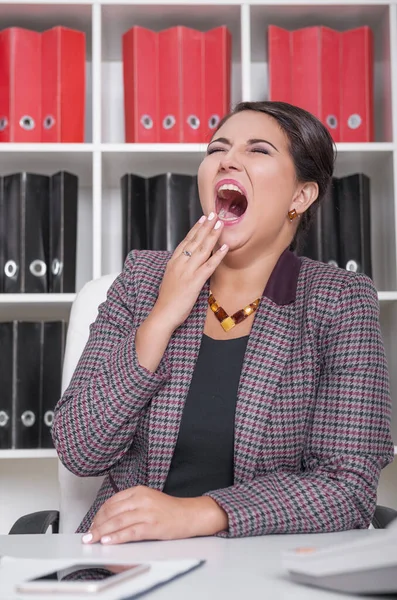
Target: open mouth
x=230, y=202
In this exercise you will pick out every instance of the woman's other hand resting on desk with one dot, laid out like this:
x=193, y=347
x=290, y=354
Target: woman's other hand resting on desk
x=141, y=513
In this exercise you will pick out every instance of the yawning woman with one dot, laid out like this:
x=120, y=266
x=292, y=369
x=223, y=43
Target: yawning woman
x=233, y=388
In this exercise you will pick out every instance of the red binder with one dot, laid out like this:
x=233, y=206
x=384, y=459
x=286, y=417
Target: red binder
x=140, y=71
x=20, y=85
x=357, y=114
x=217, y=78
x=63, y=85
x=170, y=85
x=192, y=84
x=280, y=62
x=316, y=74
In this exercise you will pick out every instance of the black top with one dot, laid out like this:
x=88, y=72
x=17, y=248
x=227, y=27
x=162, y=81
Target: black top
x=203, y=456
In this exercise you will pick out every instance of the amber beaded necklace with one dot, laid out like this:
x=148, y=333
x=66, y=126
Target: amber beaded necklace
x=229, y=322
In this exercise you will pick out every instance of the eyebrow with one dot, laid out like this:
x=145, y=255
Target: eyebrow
x=249, y=142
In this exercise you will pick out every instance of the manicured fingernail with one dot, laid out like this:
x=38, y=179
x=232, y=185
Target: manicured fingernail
x=211, y=216
x=105, y=539
x=218, y=224
x=202, y=219
x=87, y=538
x=223, y=248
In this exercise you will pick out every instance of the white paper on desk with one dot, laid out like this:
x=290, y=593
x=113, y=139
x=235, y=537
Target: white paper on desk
x=161, y=572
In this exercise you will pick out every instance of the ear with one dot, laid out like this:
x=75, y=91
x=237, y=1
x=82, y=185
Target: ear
x=306, y=195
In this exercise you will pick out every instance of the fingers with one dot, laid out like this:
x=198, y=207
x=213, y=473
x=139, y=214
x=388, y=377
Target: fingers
x=203, y=243
x=109, y=510
x=117, y=523
x=211, y=264
x=190, y=236
x=133, y=533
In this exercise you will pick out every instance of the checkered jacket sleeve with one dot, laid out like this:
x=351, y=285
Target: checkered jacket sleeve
x=96, y=418
x=347, y=443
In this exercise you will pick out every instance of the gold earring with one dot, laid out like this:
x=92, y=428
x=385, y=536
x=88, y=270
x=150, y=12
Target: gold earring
x=292, y=214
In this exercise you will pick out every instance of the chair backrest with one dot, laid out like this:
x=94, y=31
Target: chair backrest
x=78, y=493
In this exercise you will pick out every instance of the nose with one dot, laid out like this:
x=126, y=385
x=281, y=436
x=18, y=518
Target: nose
x=229, y=162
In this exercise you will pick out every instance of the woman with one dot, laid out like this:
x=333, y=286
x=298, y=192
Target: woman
x=274, y=420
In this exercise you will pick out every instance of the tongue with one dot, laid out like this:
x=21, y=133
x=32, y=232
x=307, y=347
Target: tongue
x=227, y=214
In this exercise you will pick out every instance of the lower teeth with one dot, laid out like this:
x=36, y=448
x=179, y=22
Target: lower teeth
x=222, y=214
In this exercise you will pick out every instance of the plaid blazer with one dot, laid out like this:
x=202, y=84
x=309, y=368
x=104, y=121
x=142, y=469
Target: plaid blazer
x=312, y=422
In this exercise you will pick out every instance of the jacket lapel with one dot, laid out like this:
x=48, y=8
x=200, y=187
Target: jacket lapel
x=167, y=406
x=268, y=349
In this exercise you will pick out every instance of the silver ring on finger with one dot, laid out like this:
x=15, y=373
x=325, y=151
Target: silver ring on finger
x=187, y=253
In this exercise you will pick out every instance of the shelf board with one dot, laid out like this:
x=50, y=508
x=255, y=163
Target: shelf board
x=387, y=296
x=12, y=299
x=154, y=148
x=46, y=147
x=29, y=453
x=366, y=147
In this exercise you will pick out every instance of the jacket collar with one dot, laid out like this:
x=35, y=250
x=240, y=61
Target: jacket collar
x=283, y=281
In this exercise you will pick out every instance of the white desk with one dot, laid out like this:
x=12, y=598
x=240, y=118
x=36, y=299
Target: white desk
x=236, y=569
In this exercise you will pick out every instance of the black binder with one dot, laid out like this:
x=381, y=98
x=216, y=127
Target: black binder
x=195, y=210
x=322, y=240
x=2, y=235
x=169, y=212
x=26, y=200
x=355, y=223
x=52, y=350
x=6, y=384
x=26, y=384
x=135, y=221
x=63, y=232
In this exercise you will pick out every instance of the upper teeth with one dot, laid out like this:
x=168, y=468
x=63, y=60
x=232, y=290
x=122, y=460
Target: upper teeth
x=230, y=186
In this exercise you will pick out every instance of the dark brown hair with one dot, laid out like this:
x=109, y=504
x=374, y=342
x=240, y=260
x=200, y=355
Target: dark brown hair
x=310, y=145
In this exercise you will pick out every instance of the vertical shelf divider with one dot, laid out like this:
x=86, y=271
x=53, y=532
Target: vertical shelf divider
x=97, y=134
x=246, y=52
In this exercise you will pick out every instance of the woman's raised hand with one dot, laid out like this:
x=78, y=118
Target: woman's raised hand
x=188, y=269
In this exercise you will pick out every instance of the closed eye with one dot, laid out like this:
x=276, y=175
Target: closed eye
x=260, y=150
x=212, y=150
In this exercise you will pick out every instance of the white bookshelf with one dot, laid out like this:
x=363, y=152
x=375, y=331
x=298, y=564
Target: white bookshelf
x=28, y=477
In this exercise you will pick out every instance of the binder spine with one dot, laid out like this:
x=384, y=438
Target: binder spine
x=63, y=232
x=6, y=385
x=26, y=384
x=169, y=214
x=140, y=73
x=2, y=235
x=135, y=221
x=53, y=335
x=20, y=82
x=63, y=85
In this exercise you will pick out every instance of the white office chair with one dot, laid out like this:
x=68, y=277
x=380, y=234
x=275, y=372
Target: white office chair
x=78, y=493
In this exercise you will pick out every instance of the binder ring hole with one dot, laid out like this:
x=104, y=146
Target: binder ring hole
x=147, y=121
x=49, y=122
x=10, y=268
x=169, y=121
x=4, y=418
x=27, y=123
x=213, y=121
x=3, y=123
x=333, y=263
x=56, y=267
x=28, y=418
x=38, y=268
x=193, y=121
x=354, y=121
x=332, y=121
x=49, y=418
x=352, y=265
